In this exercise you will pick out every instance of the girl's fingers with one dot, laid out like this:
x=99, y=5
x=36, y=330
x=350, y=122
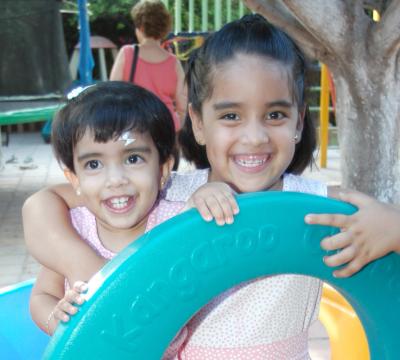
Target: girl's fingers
x=354, y=266
x=215, y=205
x=80, y=286
x=61, y=315
x=355, y=198
x=226, y=206
x=233, y=203
x=336, y=242
x=201, y=206
x=342, y=257
x=67, y=307
x=336, y=220
x=73, y=297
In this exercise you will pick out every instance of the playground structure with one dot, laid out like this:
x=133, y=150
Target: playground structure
x=126, y=312
x=134, y=300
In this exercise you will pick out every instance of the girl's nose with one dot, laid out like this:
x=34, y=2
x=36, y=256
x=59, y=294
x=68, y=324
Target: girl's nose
x=255, y=134
x=116, y=176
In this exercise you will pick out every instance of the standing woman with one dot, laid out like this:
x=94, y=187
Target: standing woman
x=156, y=69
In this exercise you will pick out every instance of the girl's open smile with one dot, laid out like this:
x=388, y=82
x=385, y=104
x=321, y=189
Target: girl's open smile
x=120, y=204
x=252, y=163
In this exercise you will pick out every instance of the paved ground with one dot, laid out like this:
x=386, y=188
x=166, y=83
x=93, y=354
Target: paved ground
x=35, y=167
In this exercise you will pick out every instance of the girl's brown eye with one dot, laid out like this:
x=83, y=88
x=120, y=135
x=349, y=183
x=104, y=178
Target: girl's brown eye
x=276, y=115
x=230, y=116
x=92, y=164
x=134, y=159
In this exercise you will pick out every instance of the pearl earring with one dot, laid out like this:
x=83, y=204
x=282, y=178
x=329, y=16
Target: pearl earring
x=78, y=191
x=296, y=137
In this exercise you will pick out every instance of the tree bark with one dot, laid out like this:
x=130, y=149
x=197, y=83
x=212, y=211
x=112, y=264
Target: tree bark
x=364, y=59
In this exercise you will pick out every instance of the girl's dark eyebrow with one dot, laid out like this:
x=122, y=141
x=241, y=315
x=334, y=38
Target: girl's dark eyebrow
x=231, y=104
x=139, y=149
x=88, y=156
x=226, y=105
x=280, y=103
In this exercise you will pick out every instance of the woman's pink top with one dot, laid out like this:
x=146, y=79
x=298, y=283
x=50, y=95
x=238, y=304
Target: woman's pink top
x=160, y=78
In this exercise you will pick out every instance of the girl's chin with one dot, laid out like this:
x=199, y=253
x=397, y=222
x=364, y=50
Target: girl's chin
x=249, y=188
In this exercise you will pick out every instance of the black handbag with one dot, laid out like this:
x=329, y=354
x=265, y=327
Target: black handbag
x=134, y=63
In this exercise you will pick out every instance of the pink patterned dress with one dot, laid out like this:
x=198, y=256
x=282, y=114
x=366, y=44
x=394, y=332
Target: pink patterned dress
x=85, y=224
x=266, y=318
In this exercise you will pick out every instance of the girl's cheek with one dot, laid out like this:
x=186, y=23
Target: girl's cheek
x=90, y=183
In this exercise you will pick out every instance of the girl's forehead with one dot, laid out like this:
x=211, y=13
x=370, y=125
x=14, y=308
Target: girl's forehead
x=125, y=138
x=254, y=63
x=248, y=76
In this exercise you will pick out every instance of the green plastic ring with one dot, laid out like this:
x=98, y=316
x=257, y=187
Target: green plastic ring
x=140, y=300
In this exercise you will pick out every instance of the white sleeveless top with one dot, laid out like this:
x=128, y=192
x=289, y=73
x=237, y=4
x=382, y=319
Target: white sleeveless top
x=260, y=319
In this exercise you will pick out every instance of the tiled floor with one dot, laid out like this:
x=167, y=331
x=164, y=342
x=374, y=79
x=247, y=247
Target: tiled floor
x=16, y=185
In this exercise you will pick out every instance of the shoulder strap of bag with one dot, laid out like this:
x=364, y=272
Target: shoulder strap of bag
x=134, y=63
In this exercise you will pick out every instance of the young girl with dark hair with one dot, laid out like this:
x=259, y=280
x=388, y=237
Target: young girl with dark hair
x=115, y=142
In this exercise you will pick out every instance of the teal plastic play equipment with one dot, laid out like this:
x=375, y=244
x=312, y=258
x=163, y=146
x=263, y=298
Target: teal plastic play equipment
x=20, y=338
x=140, y=300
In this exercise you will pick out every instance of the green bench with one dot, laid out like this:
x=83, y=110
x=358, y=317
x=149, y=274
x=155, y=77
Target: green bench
x=23, y=112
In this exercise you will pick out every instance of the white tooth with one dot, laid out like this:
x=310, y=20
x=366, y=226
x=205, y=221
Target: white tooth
x=119, y=202
x=251, y=162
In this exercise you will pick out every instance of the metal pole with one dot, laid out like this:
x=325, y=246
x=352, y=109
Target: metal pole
x=241, y=8
x=204, y=15
x=191, y=15
x=324, y=115
x=217, y=15
x=178, y=16
x=228, y=10
x=86, y=62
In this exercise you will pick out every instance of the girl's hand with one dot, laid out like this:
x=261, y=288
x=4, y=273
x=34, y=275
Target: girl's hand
x=214, y=200
x=370, y=233
x=67, y=306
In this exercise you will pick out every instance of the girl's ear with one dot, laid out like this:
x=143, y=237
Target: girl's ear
x=166, y=169
x=300, y=123
x=72, y=178
x=197, y=125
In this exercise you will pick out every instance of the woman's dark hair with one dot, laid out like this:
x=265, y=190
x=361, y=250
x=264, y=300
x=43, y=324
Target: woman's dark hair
x=108, y=110
x=251, y=34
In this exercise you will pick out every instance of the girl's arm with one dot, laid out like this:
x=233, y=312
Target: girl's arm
x=50, y=304
x=370, y=233
x=51, y=238
x=117, y=71
x=180, y=94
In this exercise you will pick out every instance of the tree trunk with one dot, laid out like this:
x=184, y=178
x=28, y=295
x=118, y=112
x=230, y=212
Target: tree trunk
x=364, y=59
x=368, y=124
x=368, y=116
